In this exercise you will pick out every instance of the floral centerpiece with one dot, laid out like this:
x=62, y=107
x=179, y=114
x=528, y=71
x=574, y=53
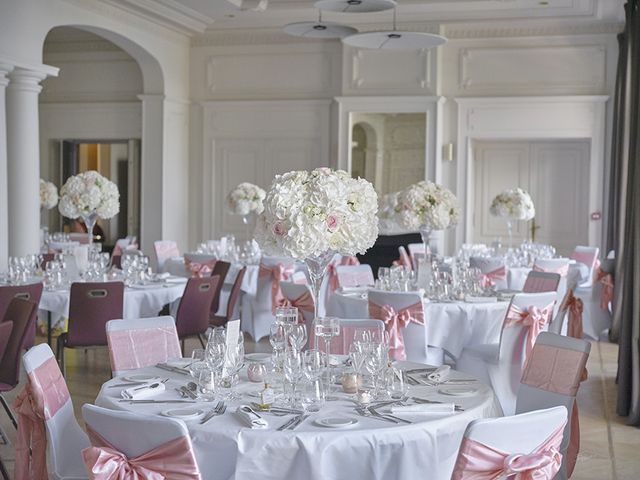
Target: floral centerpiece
x=89, y=196
x=514, y=204
x=48, y=195
x=246, y=198
x=311, y=216
x=427, y=206
x=387, y=215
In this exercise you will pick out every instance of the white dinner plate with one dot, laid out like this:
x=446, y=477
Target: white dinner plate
x=336, y=422
x=190, y=413
x=258, y=357
x=176, y=280
x=458, y=391
x=140, y=378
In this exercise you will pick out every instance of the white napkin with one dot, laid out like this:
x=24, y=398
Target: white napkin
x=143, y=391
x=358, y=289
x=431, y=408
x=440, y=374
x=162, y=276
x=250, y=418
x=470, y=299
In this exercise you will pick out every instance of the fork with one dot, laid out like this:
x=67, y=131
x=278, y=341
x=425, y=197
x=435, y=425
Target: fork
x=219, y=409
x=388, y=415
x=363, y=412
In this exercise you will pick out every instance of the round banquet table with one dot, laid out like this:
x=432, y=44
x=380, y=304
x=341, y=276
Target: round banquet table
x=451, y=326
x=373, y=449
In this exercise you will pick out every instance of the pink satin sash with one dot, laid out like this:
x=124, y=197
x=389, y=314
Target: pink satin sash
x=200, y=269
x=304, y=303
x=395, y=321
x=489, y=279
x=477, y=461
x=606, y=279
x=171, y=460
x=40, y=399
x=277, y=273
x=562, y=271
x=534, y=318
x=139, y=348
x=574, y=307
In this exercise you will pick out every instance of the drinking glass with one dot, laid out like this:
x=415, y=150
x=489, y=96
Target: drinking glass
x=206, y=384
x=292, y=367
x=312, y=395
x=313, y=363
x=277, y=336
x=327, y=328
x=298, y=336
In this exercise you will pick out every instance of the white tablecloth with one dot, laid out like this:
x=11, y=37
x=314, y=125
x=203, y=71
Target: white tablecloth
x=371, y=449
x=450, y=326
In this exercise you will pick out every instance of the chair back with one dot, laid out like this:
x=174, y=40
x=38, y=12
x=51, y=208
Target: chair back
x=300, y=296
x=31, y=292
x=122, y=244
x=555, y=265
x=21, y=313
x=404, y=258
x=552, y=377
x=493, y=268
x=192, y=317
x=300, y=278
x=65, y=437
x=5, y=332
x=141, y=342
x=220, y=270
x=268, y=293
x=415, y=250
x=46, y=258
x=134, y=435
x=91, y=306
x=234, y=295
x=340, y=345
x=488, y=443
x=355, y=275
x=414, y=335
x=164, y=250
x=589, y=257
x=540, y=282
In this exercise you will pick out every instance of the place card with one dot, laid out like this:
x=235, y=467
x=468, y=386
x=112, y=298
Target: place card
x=233, y=332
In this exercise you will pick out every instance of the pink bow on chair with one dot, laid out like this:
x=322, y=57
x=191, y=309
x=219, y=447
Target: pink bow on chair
x=394, y=322
x=489, y=279
x=173, y=460
x=534, y=318
x=277, y=273
x=606, y=279
x=477, y=461
x=200, y=269
x=575, y=307
x=304, y=303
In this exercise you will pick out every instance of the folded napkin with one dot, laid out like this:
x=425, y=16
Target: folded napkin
x=358, y=289
x=250, y=418
x=143, y=391
x=440, y=374
x=470, y=299
x=431, y=408
x=162, y=276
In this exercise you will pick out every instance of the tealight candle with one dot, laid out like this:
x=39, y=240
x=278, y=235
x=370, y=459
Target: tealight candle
x=350, y=382
x=256, y=372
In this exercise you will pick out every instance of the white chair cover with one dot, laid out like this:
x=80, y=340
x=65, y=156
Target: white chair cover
x=555, y=265
x=500, y=365
x=589, y=257
x=355, y=275
x=415, y=250
x=494, y=268
x=164, y=250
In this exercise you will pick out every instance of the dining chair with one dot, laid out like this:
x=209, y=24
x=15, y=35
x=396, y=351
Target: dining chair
x=194, y=309
x=341, y=344
x=46, y=390
x=330, y=280
x=597, y=298
x=21, y=314
x=234, y=295
x=299, y=296
x=30, y=291
x=46, y=258
x=355, y=276
x=91, y=306
x=540, y=282
x=589, y=257
x=157, y=444
x=164, y=250
x=494, y=271
x=552, y=378
x=527, y=444
x=220, y=270
x=571, y=308
x=141, y=342
x=500, y=364
x=416, y=250
x=403, y=316
x=556, y=265
x=403, y=258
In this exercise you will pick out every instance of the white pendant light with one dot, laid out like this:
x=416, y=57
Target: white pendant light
x=319, y=29
x=394, y=39
x=354, y=6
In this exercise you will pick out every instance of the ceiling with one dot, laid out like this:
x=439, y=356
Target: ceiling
x=198, y=16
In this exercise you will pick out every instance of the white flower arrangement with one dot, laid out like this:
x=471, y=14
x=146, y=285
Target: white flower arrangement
x=310, y=213
x=426, y=204
x=48, y=195
x=245, y=199
x=88, y=193
x=514, y=204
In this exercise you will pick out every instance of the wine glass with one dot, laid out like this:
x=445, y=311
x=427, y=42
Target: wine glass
x=293, y=372
x=298, y=336
x=206, y=384
x=277, y=336
x=313, y=363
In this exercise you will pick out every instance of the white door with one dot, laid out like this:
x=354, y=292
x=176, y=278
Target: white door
x=555, y=173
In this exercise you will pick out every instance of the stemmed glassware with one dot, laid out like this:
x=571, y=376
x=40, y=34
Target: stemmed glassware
x=327, y=328
x=297, y=336
x=293, y=372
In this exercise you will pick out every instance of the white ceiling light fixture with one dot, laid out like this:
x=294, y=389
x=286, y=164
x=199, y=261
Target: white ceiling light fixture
x=319, y=29
x=250, y=5
x=394, y=39
x=355, y=6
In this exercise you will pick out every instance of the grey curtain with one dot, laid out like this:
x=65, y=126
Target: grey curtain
x=623, y=232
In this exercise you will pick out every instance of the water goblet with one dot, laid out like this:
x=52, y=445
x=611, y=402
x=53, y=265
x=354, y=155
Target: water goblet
x=297, y=336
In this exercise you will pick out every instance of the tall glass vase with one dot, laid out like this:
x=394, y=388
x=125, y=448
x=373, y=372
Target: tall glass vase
x=317, y=266
x=90, y=222
x=247, y=221
x=425, y=233
x=510, y=232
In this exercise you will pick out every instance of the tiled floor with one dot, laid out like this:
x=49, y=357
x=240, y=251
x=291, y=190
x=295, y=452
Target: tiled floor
x=609, y=448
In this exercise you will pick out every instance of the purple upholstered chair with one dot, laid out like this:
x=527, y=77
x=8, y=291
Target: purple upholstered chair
x=21, y=314
x=221, y=320
x=220, y=269
x=46, y=258
x=192, y=317
x=31, y=292
x=91, y=306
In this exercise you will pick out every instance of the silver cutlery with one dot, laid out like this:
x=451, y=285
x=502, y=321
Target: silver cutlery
x=363, y=412
x=301, y=419
x=188, y=392
x=287, y=424
x=130, y=400
x=457, y=408
x=219, y=409
x=133, y=384
x=388, y=415
x=169, y=368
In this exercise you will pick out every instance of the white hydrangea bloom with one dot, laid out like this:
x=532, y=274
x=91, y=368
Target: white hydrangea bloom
x=426, y=204
x=48, y=195
x=246, y=198
x=89, y=192
x=514, y=204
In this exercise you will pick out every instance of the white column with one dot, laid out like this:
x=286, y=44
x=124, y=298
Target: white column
x=23, y=160
x=5, y=68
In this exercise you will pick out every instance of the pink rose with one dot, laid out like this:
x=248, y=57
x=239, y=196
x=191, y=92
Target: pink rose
x=332, y=222
x=278, y=229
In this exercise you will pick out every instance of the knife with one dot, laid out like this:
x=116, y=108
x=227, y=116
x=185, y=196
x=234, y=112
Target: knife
x=172, y=369
x=289, y=423
x=301, y=419
x=155, y=401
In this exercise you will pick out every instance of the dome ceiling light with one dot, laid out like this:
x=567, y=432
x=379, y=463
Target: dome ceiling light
x=354, y=6
x=319, y=29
